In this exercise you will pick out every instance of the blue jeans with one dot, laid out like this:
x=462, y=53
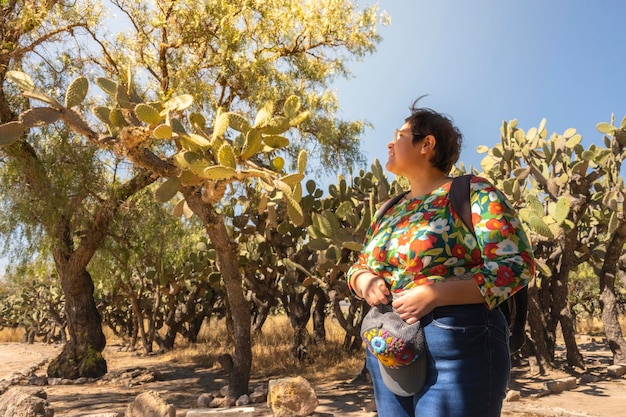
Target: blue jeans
x=468, y=366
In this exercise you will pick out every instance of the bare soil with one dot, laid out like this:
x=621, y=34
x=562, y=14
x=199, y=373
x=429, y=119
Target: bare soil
x=596, y=395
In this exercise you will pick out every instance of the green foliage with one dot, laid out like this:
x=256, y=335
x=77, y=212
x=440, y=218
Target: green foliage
x=165, y=265
x=32, y=300
x=259, y=65
x=584, y=294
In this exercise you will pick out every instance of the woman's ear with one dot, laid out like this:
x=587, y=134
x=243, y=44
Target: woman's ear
x=429, y=143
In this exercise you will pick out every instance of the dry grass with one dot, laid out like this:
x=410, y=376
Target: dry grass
x=594, y=326
x=11, y=335
x=271, y=352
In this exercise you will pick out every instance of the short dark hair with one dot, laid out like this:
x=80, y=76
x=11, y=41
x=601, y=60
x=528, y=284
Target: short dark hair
x=424, y=122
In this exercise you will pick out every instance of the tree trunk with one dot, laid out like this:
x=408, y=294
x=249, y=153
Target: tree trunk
x=298, y=308
x=319, y=316
x=227, y=258
x=139, y=319
x=608, y=299
x=195, y=324
x=574, y=357
x=173, y=324
x=538, y=343
x=228, y=262
x=560, y=292
x=261, y=313
x=82, y=354
x=352, y=341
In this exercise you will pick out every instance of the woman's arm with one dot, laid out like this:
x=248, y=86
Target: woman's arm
x=507, y=257
x=369, y=287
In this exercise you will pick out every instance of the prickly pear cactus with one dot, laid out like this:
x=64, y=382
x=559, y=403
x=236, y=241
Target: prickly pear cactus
x=204, y=155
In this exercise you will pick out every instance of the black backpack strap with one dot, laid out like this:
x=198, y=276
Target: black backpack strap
x=460, y=199
x=387, y=205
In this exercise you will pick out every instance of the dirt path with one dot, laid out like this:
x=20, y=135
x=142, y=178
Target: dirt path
x=20, y=357
x=182, y=385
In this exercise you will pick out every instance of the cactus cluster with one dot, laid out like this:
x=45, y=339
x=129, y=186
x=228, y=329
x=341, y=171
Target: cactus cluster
x=204, y=154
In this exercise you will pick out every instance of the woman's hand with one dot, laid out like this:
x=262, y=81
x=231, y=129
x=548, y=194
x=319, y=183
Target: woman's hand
x=415, y=303
x=372, y=288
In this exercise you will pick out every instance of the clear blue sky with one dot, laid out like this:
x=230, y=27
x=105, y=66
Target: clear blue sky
x=486, y=61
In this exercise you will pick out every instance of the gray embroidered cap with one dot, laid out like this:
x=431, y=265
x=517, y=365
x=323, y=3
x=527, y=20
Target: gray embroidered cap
x=399, y=348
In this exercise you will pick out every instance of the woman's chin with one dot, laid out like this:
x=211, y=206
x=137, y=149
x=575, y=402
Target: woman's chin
x=389, y=166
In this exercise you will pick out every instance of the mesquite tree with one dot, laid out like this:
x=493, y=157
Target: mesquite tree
x=199, y=162
x=232, y=55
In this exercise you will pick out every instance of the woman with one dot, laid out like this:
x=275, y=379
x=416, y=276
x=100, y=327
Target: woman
x=420, y=255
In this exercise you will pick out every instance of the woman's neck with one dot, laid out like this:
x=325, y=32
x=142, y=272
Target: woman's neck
x=427, y=182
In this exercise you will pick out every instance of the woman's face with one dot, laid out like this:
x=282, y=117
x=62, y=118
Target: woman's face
x=403, y=154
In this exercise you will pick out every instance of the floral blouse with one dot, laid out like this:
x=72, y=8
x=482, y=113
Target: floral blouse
x=422, y=240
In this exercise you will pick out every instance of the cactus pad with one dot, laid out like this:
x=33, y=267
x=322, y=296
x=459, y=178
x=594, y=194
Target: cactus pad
x=147, y=114
x=252, y=145
x=39, y=116
x=275, y=141
x=226, y=156
x=237, y=122
x=167, y=190
x=218, y=172
x=162, y=132
x=221, y=125
x=302, y=160
x=76, y=92
x=108, y=86
x=292, y=179
x=22, y=80
x=102, y=113
x=11, y=132
x=291, y=107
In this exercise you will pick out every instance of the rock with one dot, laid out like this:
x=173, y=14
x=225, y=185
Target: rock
x=37, y=380
x=59, y=381
x=150, y=404
x=223, y=412
x=588, y=378
x=243, y=400
x=21, y=402
x=513, y=395
x=291, y=397
x=204, y=400
x=542, y=393
x=616, y=370
x=560, y=385
x=259, y=395
x=215, y=403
